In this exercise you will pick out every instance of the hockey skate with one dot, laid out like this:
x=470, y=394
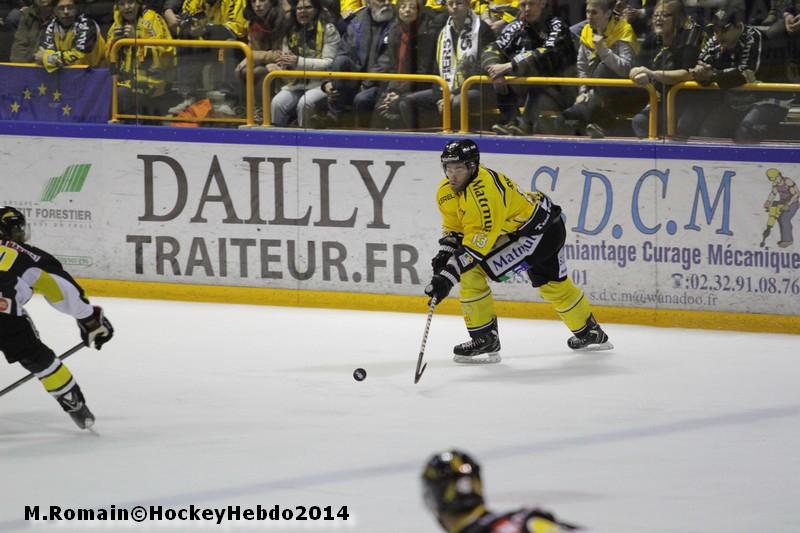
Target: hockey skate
x=74, y=404
x=479, y=350
x=590, y=338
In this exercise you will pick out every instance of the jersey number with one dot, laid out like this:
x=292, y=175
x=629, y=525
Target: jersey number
x=7, y=258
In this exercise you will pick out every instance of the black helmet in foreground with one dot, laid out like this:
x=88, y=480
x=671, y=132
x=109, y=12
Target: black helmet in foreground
x=12, y=225
x=451, y=483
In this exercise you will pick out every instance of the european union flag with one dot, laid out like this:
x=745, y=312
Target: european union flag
x=69, y=95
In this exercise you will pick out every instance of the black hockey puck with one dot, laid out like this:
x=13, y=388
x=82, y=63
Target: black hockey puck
x=359, y=374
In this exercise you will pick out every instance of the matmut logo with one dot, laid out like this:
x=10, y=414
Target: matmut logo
x=508, y=257
x=70, y=181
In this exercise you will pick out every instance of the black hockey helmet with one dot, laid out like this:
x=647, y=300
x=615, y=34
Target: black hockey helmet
x=12, y=225
x=461, y=151
x=451, y=483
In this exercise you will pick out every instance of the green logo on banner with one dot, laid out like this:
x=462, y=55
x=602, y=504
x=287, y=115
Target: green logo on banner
x=70, y=181
x=75, y=260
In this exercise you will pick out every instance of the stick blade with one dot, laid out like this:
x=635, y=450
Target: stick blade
x=418, y=374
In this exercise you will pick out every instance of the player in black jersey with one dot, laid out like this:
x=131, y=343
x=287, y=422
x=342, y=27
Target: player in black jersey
x=452, y=489
x=23, y=270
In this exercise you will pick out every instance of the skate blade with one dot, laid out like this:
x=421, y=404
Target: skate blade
x=482, y=359
x=86, y=423
x=596, y=347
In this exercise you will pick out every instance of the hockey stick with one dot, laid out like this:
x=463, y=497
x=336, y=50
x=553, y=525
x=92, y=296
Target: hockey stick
x=32, y=375
x=418, y=372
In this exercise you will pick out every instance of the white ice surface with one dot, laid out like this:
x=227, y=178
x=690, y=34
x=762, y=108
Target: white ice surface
x=218, y=405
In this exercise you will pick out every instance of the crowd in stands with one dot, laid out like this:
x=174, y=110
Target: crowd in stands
x=658, y=42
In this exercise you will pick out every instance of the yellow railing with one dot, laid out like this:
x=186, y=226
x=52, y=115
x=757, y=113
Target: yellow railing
x=672, y=95
x=671, y=110
x=248, y=120
x=599, y=82
x=425, y=78
x=37, y=65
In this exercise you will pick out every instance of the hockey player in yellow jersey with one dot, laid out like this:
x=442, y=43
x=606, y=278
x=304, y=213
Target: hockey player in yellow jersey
x=23, y=270
x=491, y=229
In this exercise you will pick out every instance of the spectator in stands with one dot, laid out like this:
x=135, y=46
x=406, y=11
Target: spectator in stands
x=32, y=21
x=266, y=26
x=200, y=71
x=775, y=13
x=607, y=50
x=144, y=71
x=360, y=50
x=458, y=56
x=667, y=54
x=12, y=19
x=310, y=43
x=638, y=13
x=331, y=10
x=630, y=10
x=783, y=47
x=101, y=11
x=347, y=10
x=171, y=13
x=732, y=57
x=70, y=38
x=436, y=13
x=411, y=51
x=497, y=13
x=228, y=14
x=537, y=44
x=791, y=20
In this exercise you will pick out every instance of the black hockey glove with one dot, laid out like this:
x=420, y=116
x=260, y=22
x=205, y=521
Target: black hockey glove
x=448, y=244
x=442, y=283
x=95, y=328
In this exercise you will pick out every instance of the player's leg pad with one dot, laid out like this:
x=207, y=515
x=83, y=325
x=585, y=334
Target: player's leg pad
x=56, y=378
x=569, y=302
x=477, y=303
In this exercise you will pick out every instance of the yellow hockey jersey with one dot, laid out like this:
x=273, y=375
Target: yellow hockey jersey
x=229, y=13
x=492, y=205
x=145, y=69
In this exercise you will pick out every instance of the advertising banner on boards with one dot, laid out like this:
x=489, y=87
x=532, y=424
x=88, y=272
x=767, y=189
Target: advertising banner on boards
x=669, y=233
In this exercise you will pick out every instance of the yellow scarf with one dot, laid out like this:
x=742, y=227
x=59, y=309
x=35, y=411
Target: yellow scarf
x=295, y=44
x=617, y=30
